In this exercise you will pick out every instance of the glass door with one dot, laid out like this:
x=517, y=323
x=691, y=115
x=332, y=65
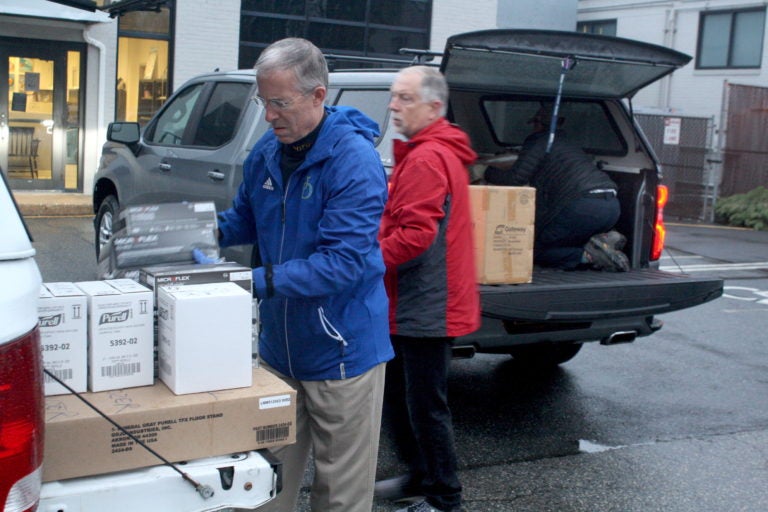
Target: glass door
x=39, y=132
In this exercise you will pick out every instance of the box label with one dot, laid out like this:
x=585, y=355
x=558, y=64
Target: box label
x=270, y=402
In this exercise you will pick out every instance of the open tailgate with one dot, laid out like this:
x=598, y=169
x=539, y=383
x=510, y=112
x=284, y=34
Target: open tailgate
x=606, y=67
x=558, y=295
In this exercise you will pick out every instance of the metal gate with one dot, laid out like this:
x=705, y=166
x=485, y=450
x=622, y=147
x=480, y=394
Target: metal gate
x=684, y=147
x=745, y=150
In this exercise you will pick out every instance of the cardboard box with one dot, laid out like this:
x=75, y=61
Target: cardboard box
x=120, y=334
x=180, y=275
x=204, y=337
x=79, y=442
x=132, y=251
x=63, y=312
x=503, y=222
x=159, y=234
x=157, y=218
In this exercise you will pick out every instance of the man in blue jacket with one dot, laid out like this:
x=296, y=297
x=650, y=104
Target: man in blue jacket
x=311, y=200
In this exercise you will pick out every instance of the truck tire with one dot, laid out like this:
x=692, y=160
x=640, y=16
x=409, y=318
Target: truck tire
x=545, y=355
x=106, y=222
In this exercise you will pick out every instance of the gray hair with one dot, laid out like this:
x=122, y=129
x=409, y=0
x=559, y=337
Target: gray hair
x=433, y=85
x=298, y=55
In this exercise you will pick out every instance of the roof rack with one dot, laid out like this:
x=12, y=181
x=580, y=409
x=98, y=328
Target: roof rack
x=423, y=57
x=398, y=63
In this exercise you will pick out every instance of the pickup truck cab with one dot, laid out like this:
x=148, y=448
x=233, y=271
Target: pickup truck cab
x=194, y=148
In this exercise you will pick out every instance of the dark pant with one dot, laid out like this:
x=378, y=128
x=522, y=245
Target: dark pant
x=561, y=243
x=416, y=406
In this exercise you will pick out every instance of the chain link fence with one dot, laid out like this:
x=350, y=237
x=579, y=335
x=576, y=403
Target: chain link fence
x=690, y=170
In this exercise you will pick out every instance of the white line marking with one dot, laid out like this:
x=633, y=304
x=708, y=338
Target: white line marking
x=762, y=265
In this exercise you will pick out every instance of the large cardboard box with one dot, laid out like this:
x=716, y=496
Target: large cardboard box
x=503, y=222
x=79, y=442
x=204, y=337
x=120, y=334
x=62, y=313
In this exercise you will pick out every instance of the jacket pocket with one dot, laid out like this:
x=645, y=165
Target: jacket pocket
x=329, y=328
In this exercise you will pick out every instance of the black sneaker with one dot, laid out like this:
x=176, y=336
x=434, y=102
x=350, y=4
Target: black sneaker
x=612, y=239
x=604, y=257
x=397, y=488
x=423, y=506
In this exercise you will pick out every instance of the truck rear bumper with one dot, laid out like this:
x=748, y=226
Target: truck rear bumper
x=578, y=306
x=242, y=480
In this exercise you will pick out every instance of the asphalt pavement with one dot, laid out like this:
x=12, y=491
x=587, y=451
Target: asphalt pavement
x=717, y=465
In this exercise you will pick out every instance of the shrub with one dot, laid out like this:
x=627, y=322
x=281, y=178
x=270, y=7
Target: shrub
x=744, y=210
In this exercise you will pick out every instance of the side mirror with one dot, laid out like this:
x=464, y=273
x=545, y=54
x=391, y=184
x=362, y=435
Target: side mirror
x=124, y=133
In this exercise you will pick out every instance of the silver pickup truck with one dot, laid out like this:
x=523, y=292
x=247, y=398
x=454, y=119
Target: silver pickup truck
x=194, y=148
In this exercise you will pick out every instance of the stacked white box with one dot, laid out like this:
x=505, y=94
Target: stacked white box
x=62, y=313
x=157, y=276
x=204, y=337
x=120, y=334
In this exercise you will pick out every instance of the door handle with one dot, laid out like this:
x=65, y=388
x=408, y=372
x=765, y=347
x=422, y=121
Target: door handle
x=164, y=166
x=216, y=175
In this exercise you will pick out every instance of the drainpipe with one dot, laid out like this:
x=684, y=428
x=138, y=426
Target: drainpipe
x=665, y=89
x=102, y=82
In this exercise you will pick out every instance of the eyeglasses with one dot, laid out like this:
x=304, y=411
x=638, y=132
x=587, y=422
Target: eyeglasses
x=276, y=103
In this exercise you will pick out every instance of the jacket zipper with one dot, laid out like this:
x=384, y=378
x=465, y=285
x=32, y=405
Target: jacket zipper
x=279, y=260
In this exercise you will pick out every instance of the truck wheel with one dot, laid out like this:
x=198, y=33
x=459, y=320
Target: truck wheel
x=546, y=355
x=106, y=222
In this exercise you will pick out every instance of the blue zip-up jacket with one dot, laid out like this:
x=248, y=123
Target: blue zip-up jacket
x=327, y=316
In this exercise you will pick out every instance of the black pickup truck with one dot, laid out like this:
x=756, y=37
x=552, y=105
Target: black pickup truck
x=194, y=147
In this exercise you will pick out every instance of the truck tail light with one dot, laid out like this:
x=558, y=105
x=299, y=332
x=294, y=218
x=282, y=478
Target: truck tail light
x=659, y=231
x=21, y=423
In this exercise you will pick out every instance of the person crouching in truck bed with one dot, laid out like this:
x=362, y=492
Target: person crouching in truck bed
x=576, y=203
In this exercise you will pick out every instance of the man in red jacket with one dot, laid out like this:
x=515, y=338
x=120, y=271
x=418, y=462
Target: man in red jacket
x=426, y=239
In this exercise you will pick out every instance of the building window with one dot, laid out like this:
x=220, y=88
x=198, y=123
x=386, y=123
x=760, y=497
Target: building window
x=602, y=27
x=731, y=39
x=353, y=28
x=143, y=59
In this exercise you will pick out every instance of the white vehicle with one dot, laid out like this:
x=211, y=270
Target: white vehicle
x=241, y=480
x=21, y=373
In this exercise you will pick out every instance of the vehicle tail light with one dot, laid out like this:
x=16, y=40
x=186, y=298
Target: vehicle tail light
x=21, y=423
x=659, y=231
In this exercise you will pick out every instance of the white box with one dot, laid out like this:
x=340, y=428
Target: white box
x=155, y=276
x=204, y=337
x=120, y=334
x=63, y=312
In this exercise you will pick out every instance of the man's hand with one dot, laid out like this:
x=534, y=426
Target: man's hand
x=201, y=258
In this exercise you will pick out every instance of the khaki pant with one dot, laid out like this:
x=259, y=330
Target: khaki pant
x=340, y=420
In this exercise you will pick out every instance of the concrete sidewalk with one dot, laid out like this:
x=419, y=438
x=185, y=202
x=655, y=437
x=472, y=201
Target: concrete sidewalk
x=53, y=204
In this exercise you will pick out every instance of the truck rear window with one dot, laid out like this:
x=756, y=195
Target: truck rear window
x=586, y=123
